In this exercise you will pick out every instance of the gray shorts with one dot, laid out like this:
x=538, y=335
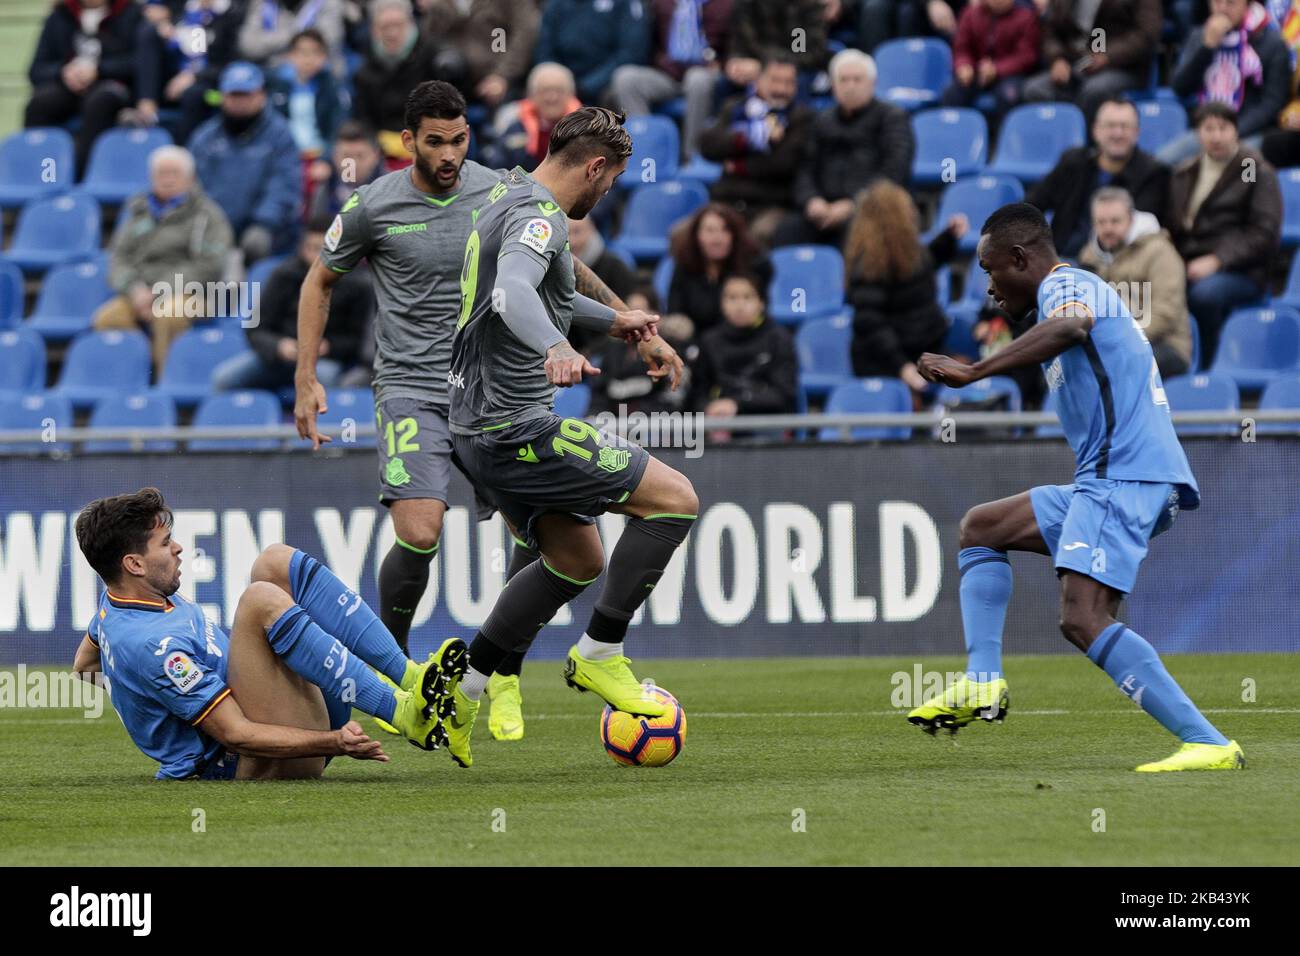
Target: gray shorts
x=550, y=464
x=415, y=450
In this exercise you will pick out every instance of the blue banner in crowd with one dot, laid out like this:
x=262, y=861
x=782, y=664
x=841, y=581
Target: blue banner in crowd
x=803, y=550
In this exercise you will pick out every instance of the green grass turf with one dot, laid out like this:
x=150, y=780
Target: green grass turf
x=765, y=738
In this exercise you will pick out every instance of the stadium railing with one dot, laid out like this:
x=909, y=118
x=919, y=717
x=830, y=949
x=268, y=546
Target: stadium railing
x=932, y=425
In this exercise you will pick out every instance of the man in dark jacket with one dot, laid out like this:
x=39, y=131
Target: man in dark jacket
x=84, y=66
x=179, y=60
x=248, y=163
x=852, y=143
x=759, y=140
x=593, y=38
x=489, y=73
x=398, y=61
x=1236, y=57
x=1080, y=72
x=1114, y=160
x=1225, y=224
x=274, y=340
x=747, y=364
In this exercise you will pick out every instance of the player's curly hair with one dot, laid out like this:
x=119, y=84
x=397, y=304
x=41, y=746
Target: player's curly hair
x=589, y=132
x=432, y=99
x=108, y=529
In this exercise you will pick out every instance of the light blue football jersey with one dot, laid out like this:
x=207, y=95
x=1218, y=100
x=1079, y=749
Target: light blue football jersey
x=166, y=668
x=1108, y=393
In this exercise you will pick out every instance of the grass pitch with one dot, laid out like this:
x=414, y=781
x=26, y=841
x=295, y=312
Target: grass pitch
x=767, y=739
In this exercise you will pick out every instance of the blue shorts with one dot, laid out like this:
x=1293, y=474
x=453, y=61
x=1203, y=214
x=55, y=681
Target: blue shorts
x=1100, y=527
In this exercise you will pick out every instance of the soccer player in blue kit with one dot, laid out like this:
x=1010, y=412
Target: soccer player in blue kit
x=1131, y=480
x=271, y=701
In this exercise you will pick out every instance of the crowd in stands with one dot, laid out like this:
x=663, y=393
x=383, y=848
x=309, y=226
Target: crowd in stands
x=798, y=133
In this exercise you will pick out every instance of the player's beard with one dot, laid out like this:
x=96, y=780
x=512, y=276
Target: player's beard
x=430, y=172
x=587, y=202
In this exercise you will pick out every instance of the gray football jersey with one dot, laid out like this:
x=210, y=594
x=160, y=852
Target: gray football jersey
x=495, y=378
x=414, y=244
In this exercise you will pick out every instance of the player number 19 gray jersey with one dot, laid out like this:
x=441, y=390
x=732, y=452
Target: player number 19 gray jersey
x=495, y=378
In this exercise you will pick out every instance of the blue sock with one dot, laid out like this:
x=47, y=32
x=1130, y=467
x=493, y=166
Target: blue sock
x=985, y=594
x=325, y=661
x=1137, y=670
x=341, y=612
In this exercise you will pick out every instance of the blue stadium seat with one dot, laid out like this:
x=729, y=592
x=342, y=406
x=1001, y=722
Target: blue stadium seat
x=999, y=386
x=656, y=150
x=34, y=413
x=807, y=283
x=355, y=405
x=119, y=163
x=1291, y=294
x=943, y=135
x=1290, y=182
x=1195, y=329
x=22, y=361
x=69, y=296
x=701, y=169
x=258, y=275
x=869, y=395
x=961, y=333
x=663, y=280
x=1206, y=392
x=11, y=295
x=249, y=409
x=144, y=410
x=573, y=402
x=1282, y=392
x=913, y=71
x=1160, y=121
x=33, y=163
x=1258, y=345
x=823, y=349
x=54, y=230
x=652, y=210
x=102, y=364
x=977, y=198
x=943, y=285
x=193, y=357
x=1034, y=136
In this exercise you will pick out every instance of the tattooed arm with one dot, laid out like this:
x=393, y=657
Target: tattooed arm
x=661, y=357
x=586, y=282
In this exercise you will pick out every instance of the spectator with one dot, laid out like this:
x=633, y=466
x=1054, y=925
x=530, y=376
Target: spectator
x=712, y=245
x=356, y=160
x=623, y=381
x=181, y=53
x=852, y=143
x=526, y=138
x=1236, y=58
x=761, y=28
x=304, y=92
x=759, y=139
x=1114, y=160
x=1078, y=72
x=746, y=365
x=588, y=246
x=487, y=74
x=881, y=20
x=248, y=163
x=1281, y=146
x=891, y=285
x=170, y=231
x=996, y=47
x=1226, y=225
x=1136, y=258
x=690, y=38
x=84, y=66
x=593, y=38
x=270, y=26
x=399, y=60
x=274, y=339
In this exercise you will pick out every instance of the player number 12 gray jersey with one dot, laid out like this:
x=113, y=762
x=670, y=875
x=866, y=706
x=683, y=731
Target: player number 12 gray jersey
x=495, y=378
